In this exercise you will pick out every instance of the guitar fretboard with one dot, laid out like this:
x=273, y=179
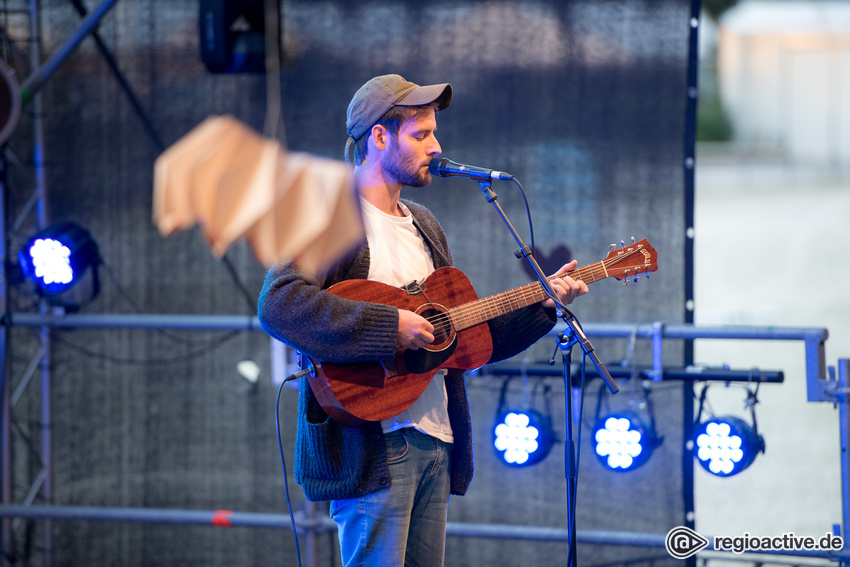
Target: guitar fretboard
x=477, y=312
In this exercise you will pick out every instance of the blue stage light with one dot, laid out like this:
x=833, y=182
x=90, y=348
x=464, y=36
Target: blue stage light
x=57, y=257
x=623, y=442
x=726, y=446
x=522, y=438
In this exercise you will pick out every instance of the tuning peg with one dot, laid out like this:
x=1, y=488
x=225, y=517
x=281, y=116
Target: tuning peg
x=626, y=281
x=647, y=275
x=633, y=239
x=611, y=246
x=637, y=279
x=622, y=244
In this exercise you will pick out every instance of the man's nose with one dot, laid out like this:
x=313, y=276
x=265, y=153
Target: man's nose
x=435, y=148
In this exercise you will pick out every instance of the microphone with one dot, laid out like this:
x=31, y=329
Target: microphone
x=447, y=168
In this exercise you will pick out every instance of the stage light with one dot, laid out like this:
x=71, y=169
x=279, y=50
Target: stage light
x=233, y=36
x=522, y=437
x=623, y=441
x=56, y=258
x=725, y=446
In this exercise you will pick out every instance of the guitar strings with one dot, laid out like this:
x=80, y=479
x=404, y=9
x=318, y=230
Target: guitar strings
x=523, y=293
x=528, y=294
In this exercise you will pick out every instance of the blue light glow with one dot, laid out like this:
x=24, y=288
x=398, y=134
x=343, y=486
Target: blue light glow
x=725, y=446
x=57, y=257
x=720, y=447
x=618, y=443
x=51, y=261
x=516, y=438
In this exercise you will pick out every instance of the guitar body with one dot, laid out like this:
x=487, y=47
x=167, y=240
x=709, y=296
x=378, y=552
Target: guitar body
x=355, y=393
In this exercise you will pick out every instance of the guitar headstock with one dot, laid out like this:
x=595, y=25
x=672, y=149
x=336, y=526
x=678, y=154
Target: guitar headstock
x=631, y=260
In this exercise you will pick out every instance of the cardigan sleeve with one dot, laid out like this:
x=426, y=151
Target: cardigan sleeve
x=301, y=313
x=515, y=332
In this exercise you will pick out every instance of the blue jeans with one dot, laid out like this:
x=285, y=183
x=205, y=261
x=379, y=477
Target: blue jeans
x=404, y=524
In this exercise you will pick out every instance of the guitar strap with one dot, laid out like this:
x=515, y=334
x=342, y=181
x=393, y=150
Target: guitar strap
x=434, y=247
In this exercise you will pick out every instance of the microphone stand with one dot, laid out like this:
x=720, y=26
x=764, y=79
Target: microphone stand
x=565, y=344
x=578, y=337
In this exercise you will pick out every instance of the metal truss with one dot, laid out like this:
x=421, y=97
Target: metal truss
x=822, y=383
x=13, y=388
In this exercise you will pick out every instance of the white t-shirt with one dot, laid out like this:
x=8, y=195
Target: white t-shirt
x=398, y=255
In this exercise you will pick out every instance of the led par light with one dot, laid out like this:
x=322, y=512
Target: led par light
x=522, y=437
x=725, y=446
x=623, y=441
x=57, y=257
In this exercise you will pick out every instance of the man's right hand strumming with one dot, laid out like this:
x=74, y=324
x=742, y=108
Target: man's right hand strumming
x=414, y=331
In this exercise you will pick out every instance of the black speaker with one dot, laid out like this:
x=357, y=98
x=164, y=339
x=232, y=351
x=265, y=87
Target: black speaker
x=232, y=36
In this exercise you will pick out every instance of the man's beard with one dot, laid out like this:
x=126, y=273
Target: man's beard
x=404, y=168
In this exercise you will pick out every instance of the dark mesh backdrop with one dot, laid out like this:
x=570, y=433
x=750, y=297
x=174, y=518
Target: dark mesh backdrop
x=583, y=101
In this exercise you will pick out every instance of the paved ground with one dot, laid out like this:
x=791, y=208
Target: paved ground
x=771, y=250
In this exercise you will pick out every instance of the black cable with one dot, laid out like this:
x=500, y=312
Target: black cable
x=122, y=291
x=251, y=303
x=503, y=392
x=527, y=213
x=149, y=361
x=110, y=60
x=283, y=463
x=702, y=401
x=580, y=418
x=125, y=86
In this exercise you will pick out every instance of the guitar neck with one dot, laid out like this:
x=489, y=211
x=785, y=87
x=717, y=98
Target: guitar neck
x=477, y=312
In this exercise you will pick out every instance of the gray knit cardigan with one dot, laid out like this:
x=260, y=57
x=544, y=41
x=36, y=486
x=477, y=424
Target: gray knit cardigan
x=333, y=461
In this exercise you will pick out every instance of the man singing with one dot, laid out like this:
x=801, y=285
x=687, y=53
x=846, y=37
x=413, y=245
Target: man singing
x=389, y=482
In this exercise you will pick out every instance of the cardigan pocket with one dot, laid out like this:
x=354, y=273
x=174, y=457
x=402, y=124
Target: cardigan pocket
x=326, y=454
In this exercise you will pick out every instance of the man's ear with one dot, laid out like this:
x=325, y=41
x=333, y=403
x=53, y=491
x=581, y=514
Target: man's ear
x=380, y=137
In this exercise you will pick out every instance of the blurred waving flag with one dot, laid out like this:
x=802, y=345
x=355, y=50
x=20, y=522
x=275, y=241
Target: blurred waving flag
x=234, y=183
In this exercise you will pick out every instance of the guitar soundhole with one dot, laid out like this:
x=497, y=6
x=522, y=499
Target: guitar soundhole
x=442, y=327
x=432, y=356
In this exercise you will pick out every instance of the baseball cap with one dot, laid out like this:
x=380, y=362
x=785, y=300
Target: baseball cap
x=380, y=94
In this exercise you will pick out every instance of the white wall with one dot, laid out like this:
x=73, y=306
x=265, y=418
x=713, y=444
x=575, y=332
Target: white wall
x=784, y=75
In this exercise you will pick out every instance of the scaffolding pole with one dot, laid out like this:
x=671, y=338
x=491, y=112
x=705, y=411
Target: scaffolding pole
x=309, y=522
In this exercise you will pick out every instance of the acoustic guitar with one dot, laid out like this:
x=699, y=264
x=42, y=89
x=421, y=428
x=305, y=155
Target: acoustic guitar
x=359, y=392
